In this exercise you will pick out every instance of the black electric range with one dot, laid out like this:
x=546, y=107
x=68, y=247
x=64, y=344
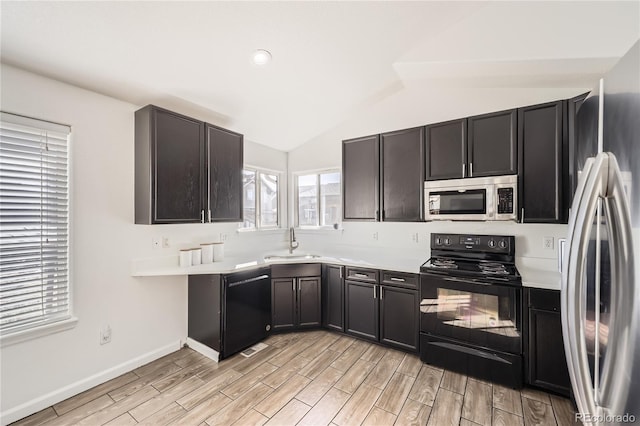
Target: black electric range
x=471, y=307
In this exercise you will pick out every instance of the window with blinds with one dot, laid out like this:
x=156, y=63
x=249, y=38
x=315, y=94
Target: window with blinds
x=34, y=223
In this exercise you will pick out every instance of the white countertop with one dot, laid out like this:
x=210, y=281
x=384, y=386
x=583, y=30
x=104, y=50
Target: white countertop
x=536, y=272
x=539, y=273
x=168, y=265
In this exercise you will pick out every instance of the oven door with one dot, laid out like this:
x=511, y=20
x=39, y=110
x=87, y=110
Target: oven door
x=466, y=310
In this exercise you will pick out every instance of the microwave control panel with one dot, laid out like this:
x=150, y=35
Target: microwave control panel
x=505, y=200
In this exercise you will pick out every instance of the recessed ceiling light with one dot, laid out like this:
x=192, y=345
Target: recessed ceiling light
x=261, y=57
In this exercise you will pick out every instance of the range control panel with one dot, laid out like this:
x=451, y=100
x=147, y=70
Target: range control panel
x=503, y=244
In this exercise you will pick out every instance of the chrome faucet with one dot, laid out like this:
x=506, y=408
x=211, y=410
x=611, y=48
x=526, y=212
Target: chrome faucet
x=293, y=244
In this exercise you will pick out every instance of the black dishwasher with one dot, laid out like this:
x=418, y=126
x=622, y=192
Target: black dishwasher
x=247, y=309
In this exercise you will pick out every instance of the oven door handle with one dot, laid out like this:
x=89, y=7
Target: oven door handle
x=468, y=281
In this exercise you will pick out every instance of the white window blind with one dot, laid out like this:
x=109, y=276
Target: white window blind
x=34, y=223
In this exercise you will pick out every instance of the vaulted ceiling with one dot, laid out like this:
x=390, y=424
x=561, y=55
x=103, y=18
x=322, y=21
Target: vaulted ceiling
x=331, y=60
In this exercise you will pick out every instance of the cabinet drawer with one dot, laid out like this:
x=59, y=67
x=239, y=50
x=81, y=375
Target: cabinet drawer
x=399, y=279
x=362, y=274
x=296, y=270
x=547, y=300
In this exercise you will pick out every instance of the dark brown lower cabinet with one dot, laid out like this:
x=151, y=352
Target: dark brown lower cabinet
x=399, y=317
x=544, y=353
x=296, y=296
x=333, y=297
x=361, y=310
x=382, y=313
x=308, y=304
x=283, y=303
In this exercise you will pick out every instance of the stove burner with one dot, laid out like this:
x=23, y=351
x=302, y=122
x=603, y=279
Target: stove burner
x=493, y=268
x=444, y=264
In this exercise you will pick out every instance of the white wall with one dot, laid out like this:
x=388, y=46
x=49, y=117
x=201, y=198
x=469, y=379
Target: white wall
x=437, y=105
x=148, y=316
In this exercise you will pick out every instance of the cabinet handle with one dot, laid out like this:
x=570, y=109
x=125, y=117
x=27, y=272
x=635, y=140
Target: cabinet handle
x=293, y=286
x=374, y=292
x=340, y=272
x=359, y=275
x=381, y=292
x=400, y=280
x=463, y=169
x=377, y=215
x=470, y=169
x=202, y=216
x=209, y=215
x=522, y=215
x=383, y=214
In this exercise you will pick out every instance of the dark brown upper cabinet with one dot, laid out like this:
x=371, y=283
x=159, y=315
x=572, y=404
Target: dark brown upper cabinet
x=492, y=144
x=224, y=160
x=186, y=171
x=361, y=178
x=169, y=167
x=541, y=163
x=445, y=150
x=402, y=175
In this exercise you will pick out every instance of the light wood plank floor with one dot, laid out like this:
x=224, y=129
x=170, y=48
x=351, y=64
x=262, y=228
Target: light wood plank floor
x=305, y=378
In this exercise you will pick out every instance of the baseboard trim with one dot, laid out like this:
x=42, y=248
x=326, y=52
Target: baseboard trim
x=30, y=407
x=203, y=349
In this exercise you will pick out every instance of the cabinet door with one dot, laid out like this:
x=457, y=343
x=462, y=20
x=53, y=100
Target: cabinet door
x=178, y=168
x=361, y=310
x=225, y=161
x=309, y=313
x=333, y=297
x=402, y=175
x=360, y=178
x=540, y=148
x=445, y=150
x=547, y=365
x=283, y=303
x=492, y=144
x=399, y=317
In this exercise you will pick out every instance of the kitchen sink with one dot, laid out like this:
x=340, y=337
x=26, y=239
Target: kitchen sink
x=291, y=256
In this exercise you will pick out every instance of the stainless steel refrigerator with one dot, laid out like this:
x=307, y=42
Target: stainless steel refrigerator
x=600, y=278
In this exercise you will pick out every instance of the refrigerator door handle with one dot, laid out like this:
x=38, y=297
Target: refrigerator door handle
x=591, y=188
x=618, y=361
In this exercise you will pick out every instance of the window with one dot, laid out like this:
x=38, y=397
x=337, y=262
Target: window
x=261, y=198
x=318, y=200
x=34, y=223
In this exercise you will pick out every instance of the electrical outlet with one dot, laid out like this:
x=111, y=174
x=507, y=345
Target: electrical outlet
x=547, y=243
x=375, y=236
x=155, y=243
x=105, y=335
x=223, y=237
x=165, y=242
x=414, y=238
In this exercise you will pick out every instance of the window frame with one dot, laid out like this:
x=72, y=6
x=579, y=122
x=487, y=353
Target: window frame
x=54, y=324
x=258, y=198
x=296, y=196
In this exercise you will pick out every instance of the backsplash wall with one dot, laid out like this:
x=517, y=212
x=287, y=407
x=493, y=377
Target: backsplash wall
x=414, y=238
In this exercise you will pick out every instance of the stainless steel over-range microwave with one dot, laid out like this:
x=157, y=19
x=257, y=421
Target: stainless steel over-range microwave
x=484, y=198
